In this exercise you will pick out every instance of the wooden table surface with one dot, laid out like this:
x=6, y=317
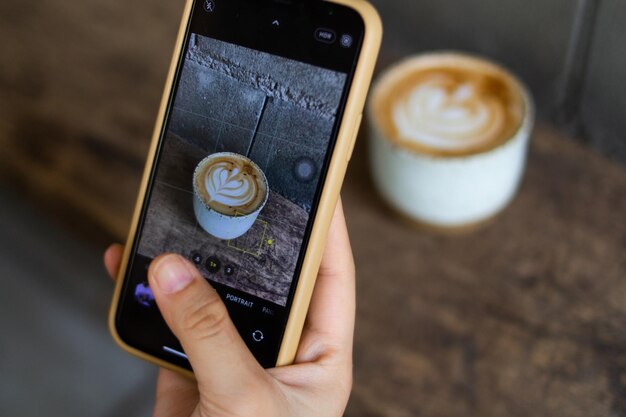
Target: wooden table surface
x=524, y=317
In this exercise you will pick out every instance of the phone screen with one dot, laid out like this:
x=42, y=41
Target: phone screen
x=251, y=124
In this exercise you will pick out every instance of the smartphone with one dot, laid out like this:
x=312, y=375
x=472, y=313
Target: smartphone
x=261, y=109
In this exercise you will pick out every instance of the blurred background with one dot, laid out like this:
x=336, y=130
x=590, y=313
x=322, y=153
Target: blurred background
x=526, y=316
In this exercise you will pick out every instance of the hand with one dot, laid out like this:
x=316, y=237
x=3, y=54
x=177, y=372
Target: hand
x=229, y=381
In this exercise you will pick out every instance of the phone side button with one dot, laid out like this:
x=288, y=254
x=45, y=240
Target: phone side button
x=357, y=125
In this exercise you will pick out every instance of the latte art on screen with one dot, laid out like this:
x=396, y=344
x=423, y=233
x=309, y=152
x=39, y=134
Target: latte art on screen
x=230, y=185
x=443, y=113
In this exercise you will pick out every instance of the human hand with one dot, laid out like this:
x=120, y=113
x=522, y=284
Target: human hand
x=229, y=380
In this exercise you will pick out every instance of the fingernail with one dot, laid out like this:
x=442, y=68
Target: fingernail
x=172, y=274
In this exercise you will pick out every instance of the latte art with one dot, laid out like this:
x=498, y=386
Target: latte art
x=448, y=138
x=443, y=113
x=229, y=185
x=448, y=104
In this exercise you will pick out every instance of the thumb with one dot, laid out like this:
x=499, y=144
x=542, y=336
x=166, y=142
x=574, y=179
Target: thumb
x=196, y=314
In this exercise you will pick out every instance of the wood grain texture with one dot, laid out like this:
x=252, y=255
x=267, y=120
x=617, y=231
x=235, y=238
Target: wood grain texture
x=525, y=316
x=80, y=84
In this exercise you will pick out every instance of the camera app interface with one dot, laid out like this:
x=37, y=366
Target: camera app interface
x=239, y=170
x=240, y=164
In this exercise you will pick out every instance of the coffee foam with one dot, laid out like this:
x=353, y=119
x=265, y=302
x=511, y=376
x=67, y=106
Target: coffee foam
x=230, y=184
x=448, y=104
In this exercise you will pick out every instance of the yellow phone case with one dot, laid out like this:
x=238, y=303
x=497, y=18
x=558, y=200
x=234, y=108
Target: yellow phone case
x=332, y=186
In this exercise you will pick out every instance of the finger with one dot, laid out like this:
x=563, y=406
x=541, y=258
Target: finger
x=196, y=314
x=330, y=321
x=176, y=396
x=112, y=259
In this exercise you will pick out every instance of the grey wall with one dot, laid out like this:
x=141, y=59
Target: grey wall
x=229, y=96
x=532, y=38
x=603, y=106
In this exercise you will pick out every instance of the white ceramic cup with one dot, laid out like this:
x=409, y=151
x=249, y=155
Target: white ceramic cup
x=447, y=192
x=224, y=226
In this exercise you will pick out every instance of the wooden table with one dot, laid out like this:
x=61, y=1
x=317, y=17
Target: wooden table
x=524, y=317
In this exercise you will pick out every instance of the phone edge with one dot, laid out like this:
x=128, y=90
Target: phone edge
x=334, y=178
x=150, y=160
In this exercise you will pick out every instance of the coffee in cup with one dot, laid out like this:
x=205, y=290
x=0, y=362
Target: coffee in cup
x=449, y=137
x=230, y=191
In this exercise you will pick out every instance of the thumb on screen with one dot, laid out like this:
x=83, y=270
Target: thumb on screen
x=195, y=313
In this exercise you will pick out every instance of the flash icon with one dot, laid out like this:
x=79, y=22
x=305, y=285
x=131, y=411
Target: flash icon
x=209, y=6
